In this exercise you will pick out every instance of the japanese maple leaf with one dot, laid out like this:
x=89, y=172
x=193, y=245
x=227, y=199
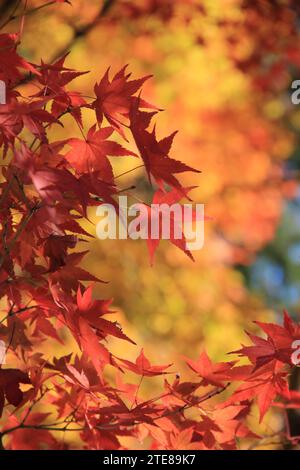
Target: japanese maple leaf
x=34, y=115
x=82, y=330
x=81, y=373
x=15, y=115
x=211, y=374
x=277, y=346
x=55, y=248
x=261, y=352
x=268, y=391
x=59, y=184
x=10, y=60
x=129, y=390
x=91, y=154
x=85, y=302
x=179, y=390
x=89, y=343
x=54, y=78
x=91, y=190
x=44, y=327
x=155, y=152
x=205, y=429
x=223, y=426
x=182, y=440
x=92, y=312
x=69, y=274
x=265, y=385
x=142, y=366
x=129, y=414
x=229, y=424
x=114, y=97
x=290, y=326
x=84, y=374
x=282, y=337
x=151, y=217
x=47, y=181
x=178, y=222
x=10, y=380
x=11, y=124
x=71, y=101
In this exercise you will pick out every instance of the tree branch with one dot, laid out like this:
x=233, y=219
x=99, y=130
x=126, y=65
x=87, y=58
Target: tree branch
x=77, y=34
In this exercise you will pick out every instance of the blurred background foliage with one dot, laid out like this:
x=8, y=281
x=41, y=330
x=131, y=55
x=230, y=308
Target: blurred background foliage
x=222, y=70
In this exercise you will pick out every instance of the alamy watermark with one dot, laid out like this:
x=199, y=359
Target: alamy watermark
x=295, y=357
x=2, y=92
x=155, y=222
x=295, y=96
x=3, y=350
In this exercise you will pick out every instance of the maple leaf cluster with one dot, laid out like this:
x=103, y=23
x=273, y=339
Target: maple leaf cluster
x=46, y=189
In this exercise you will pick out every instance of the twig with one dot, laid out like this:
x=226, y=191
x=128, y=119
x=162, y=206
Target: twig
x=110, y=426
x=12, y=313
x=13, y=16
x=77, y=34
x=129, y=171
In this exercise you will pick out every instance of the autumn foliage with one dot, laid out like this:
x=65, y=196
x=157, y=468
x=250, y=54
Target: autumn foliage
x=47, y=187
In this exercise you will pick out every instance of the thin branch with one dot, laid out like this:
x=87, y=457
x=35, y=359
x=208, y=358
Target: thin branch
x=202, y=399
x=84, y=30
x=77, y=34
x=11, y=313
x=129, y=171
x=13, y=16
x=116, y=425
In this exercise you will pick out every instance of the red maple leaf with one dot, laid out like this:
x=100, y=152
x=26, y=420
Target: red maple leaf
x=91, y=154
x=10, y=60
x=114, y=97
x=152, y=218
x=155, y=152
x=10, y=380
x=142, y=366
x=277, y=346
x=211, y=374
x=54, y=78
